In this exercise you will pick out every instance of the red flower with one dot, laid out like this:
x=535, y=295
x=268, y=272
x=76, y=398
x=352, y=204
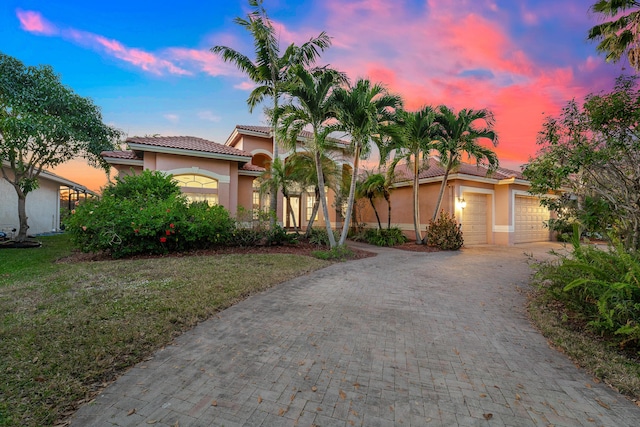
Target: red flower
x=163, y=240
x=168, y=232
x=136, y=230
x=171, y=226
x=168, y=210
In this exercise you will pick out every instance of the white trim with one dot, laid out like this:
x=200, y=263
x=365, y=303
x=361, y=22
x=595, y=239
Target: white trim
x=262, y=151
x=126, y=162
x=249, y=173
x=503, y=228
x=187, y=152
x=224, y=179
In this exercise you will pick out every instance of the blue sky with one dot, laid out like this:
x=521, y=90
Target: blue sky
x=148, y=65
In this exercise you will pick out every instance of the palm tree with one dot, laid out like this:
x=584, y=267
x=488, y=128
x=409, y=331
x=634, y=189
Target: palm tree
x=411, y=137
x=460, y=135
x=303, y=167
x=270, y=68
x=311, y=91
x=621, y=33
x=361, y=110
x=280, y=175
x=373, y=186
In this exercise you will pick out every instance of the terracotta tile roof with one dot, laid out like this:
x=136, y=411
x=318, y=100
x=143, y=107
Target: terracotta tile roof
x=252, y=168
x=191, y=143
x=126, y=155
x=403, y=173
x=266, y=131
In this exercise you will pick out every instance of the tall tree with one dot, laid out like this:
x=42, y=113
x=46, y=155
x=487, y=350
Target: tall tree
x=270, y=67
x=411, y=138
x=620, y=33
x=459, y=135
x=43, y=124
x=593, y=151
x=361, y=110
x=311, y=105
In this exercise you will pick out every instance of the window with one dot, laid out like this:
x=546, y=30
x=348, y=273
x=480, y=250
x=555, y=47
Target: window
x=198, y=188
x=311, y=199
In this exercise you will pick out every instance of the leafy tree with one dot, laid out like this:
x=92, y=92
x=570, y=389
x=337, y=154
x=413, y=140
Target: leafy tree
x=362, y=110
x=270, y=68
x=411, y=138
x=620, y=33
x=459, y=135
x=312, y=106
x=43, y=124
x=592, y=154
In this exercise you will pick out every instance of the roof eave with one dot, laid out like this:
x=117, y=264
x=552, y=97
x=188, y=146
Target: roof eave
x=192, y=153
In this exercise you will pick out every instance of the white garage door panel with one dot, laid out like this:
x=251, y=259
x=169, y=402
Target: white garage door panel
x=530, y=219
x=474, y=219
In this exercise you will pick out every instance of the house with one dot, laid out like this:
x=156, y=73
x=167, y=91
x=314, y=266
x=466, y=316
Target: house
x=223, y=174
x=492, y=208
x=43, y=205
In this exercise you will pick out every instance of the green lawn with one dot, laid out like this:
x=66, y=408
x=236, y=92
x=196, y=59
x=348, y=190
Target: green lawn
x=68, y=328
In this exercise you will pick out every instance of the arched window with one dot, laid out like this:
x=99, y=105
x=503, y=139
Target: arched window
x=198, y=188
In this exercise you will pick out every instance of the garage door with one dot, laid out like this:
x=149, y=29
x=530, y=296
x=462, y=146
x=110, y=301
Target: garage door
x=474, y=219
x=530, y=220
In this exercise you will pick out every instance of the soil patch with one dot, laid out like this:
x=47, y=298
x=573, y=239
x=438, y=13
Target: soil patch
x=411, y=246
x=11, y=244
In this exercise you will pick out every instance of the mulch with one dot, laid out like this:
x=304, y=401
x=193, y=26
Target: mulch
x=302, y=248
x=413, y=247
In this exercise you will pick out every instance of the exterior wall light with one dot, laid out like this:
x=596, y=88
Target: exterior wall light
x=462, y=203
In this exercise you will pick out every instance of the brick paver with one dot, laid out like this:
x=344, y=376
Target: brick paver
x=400, y=339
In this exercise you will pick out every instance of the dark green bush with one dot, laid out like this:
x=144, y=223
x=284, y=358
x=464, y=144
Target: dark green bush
x=147, y=214
x=384, y=237
x=320, y=237
x=601, y=287
x=445, y=233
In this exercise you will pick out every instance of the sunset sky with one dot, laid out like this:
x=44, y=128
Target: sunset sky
x=148, y=64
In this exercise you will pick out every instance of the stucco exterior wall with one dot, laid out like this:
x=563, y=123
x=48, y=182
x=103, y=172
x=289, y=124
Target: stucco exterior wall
x=42, y=206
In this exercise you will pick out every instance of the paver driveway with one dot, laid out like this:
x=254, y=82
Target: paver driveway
x=407, y=339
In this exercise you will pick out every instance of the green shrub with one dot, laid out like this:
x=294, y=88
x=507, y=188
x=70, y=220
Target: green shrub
x=147, y=214
x=601, y=287
x=384, y=237
x=320, y=237
x=339, y=253
x=445, y=233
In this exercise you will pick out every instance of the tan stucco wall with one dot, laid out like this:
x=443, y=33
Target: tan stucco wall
x=245, y=191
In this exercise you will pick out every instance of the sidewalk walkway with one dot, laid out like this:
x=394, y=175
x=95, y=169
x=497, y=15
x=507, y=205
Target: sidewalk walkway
x=403, y=338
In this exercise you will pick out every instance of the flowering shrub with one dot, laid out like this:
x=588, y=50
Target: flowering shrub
x=445, y=233
x=147, y=213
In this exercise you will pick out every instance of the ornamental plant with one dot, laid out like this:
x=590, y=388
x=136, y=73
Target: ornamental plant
x=445, y=233
x=147, y=214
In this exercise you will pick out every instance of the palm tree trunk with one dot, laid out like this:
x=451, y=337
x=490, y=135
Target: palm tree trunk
x=314, y=212
x=376, y=212
x=323, y=199
x=273, y=202
x=388, y=199
x=441, y=193
x=416, y=202
x=292, y=215
x=352, y=191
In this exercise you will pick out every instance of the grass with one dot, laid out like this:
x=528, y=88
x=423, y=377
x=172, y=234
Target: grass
x=595, y=355
x=67, y=329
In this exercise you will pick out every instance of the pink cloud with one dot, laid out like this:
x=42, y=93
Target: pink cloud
x=34, y=23
x=459, y=54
